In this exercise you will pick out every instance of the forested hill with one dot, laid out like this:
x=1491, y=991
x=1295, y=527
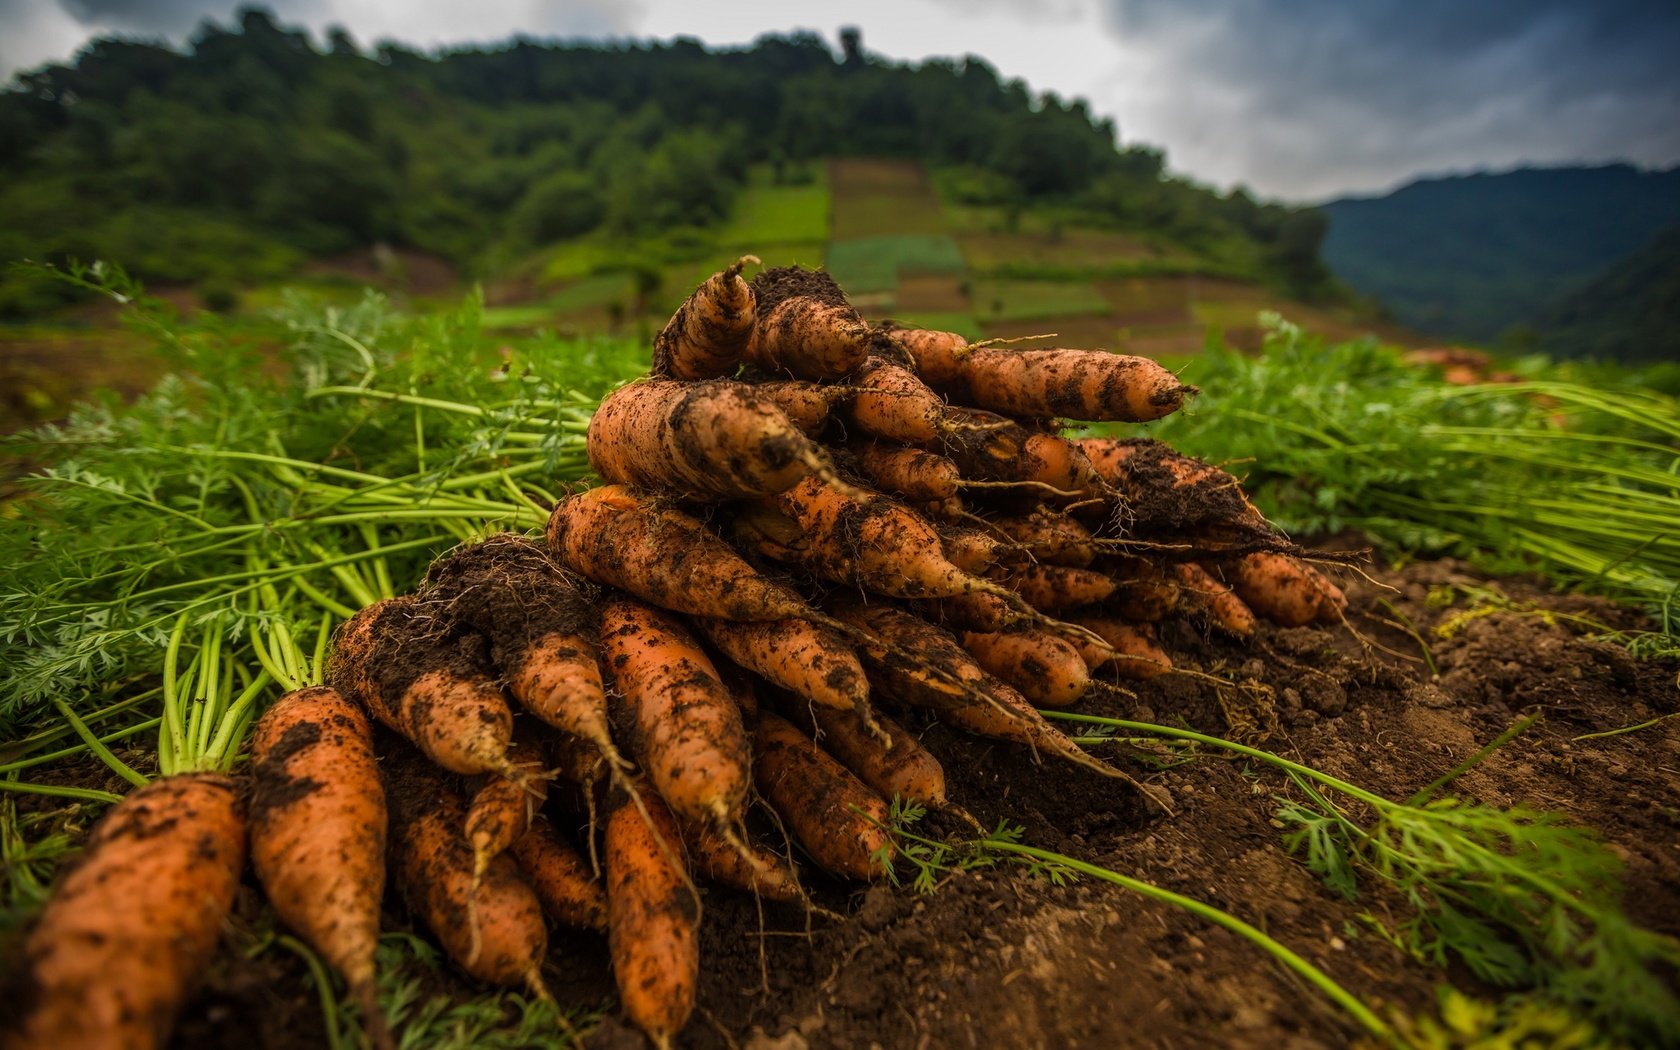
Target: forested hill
x=1472, y=257
x=256, y=149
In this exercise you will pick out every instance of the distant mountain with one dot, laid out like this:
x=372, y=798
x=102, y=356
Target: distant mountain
x=1470, y=256
x=1630, y=312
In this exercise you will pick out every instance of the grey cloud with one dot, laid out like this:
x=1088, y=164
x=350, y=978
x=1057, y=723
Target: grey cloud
x=1354, y=90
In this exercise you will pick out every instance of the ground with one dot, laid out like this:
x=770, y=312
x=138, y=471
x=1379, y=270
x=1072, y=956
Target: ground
x=1004, y=958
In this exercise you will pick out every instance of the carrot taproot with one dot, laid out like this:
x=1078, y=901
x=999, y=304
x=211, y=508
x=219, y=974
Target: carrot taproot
x=913, y=473
x=715, y=439
x=652, y=916
x=807, y=659
x=1165, y=489
x=1131, y=649
x=839, y=821
x=1050, y=537
x=664, y=557
x=759, y=871
x=1146, y=591
x=1277, y=587
x=1055, y=588
x=1011, y=718
x=935, y=354
x=1061, y=383
x=973, y=550
x=969, y=612
x=1223, y=608
x=949, y=510
x=709, y=333
x=502, y=807
x=687, y=729
x=128, y=931
x=1058, y=463
x=318, y=829
x=902, y=769
x=807, y=405
x=894, y=405
x=538, y=618
x=492, y=930
x=1048, y=670
x=423, y=687
x=570, y=895
x=806, y=328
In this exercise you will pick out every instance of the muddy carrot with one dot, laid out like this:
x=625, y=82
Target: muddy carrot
x=708, y=334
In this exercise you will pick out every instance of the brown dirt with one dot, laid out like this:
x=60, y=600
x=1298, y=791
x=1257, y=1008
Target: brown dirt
x=1002, y=958
x=932, y=293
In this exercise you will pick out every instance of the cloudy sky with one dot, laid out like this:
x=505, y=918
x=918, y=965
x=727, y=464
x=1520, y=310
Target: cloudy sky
x=1299, y=99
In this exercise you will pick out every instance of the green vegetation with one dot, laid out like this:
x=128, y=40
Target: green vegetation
x=874, y=264
x=999, y=300
x=1574, y=480
x=1626, y=313
x=232, y=163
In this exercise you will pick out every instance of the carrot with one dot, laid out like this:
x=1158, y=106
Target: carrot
x=495, y=932
x=1277, y=587
x=1165, y=489
x=947, y=510
x=805, y=326
x=895, y=405
x=652, y=916
x=1049, y=670
x=1146, y=591
x=807, y=405
x=839, y=821
x=969, y=612
x=936, y=354
x=1224, y=609
x=923, y=667
x=1055, y=588
x=710, y=440
x=1131, y=648
x=560, y=877
x=687, y=731
x=129, y=929
x=431, y=692
x=904, y=769
x=992, y=451
x=972, y=550
x=502, y=807
x=1059, y=383
x=1060, y=464
x=760, y=871
x=1012, y=718
x=707, y=335
x=868, y=540
x=539, y=620
x=1050, y=537
x=318, y=833
x=663, y=557
x=1332, y=603
x=801, y=657
x=912, y=473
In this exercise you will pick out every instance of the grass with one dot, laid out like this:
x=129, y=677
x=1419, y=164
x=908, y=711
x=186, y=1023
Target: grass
x=766, y=214
x=873, y=264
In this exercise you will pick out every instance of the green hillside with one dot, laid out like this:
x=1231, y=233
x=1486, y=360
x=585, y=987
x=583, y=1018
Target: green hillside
x=1469, y=257
x=239, y=161
x=1631, y=312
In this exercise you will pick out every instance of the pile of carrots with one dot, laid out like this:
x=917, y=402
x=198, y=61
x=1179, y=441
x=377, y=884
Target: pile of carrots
x=812, y=534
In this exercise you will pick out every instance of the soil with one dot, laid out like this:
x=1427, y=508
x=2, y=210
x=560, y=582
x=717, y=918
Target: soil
x=1002, y=957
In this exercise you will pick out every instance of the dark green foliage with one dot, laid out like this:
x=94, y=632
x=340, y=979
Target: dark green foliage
x=481, y=154
x=1469, y=256
x=1631, y=312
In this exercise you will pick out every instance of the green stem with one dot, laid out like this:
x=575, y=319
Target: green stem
x=323, y=987
x=1473, y=761
x=54, y=756
x=58, y=791
x=97, y=746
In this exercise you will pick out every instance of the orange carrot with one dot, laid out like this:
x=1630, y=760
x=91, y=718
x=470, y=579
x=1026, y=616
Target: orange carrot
x=805, y=326
x=318, y=833
x=1013, y=719
x=652, y=918
x=1050, y=537
x=386, y=658
x=1070, y=384
x=893, y=404
x=760, y=871
x=710, y=440
x=904, y=769
x=1049, y=670
x=560, y=877
x=494, y=933
x=129, y=929
x=687, y=731
x=839, y=821
x=539, y=620
x=502, y=807
x=803, y=658
x=972, y=550
x=912, y=473
x=1146, y=591
x=1165, y=489
x=663, y=557
x=1224, y=609
x=1055, y=588
x=1277, y=587
x=1131, y=650
x=707, y=335
x=807, y=405
x=936, y=354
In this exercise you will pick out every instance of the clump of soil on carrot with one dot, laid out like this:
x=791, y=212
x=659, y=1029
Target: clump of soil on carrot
x=1000, y=957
